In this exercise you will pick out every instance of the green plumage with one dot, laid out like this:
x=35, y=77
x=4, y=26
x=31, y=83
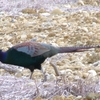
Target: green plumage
x=32, y=54
x=19, y=58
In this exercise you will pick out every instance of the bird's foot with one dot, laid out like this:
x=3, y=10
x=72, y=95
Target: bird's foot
x=44, y=75
x=44, y=78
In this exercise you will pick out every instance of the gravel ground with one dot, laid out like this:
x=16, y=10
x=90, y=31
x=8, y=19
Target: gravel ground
x=61, y=22
x=15, y=6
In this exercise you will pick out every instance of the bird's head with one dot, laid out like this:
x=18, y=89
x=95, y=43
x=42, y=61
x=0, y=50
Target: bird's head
x=1, y=55
x=0, y=52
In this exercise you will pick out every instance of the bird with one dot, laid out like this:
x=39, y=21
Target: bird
x=32, y=54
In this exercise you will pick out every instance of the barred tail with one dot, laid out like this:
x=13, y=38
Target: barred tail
x=76, y=49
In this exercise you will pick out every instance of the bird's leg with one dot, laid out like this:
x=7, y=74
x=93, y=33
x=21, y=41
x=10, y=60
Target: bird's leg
x=55, y=68
x=44, y=75
x=34, y=80
x=31, y=74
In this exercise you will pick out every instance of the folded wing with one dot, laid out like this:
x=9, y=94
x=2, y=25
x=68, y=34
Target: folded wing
x=31, y=48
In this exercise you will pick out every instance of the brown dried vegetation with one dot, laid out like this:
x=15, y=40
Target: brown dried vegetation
x=80, y=72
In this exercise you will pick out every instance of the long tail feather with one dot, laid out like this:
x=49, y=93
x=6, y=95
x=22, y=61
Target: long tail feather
x=76, y=49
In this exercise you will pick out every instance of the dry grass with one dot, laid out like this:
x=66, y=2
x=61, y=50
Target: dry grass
x=12, y=88
x=79, y=25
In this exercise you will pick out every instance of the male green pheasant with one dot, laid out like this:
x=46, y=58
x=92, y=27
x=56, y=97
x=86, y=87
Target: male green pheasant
x=32, y=54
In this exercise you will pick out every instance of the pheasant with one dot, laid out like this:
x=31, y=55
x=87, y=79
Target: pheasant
x=32, y=54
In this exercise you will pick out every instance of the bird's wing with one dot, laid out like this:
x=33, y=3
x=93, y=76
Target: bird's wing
x=31, y=48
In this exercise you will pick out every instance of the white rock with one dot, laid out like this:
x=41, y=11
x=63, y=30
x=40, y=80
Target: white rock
x=92, y=72
x=96, y=63
x=50, y=77
x=63, y=72
x=45, y=14
x=76, y=77
x=79, y=97
x=69, y=70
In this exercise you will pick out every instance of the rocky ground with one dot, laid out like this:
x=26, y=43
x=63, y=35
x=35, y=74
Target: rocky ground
x=60, y=23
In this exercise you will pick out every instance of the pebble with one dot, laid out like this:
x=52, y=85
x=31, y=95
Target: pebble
x=60, y=29
x=57, y=11
x=92, y=72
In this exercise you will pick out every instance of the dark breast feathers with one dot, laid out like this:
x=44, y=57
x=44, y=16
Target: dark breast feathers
x=32, y=54
x=29, y=55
